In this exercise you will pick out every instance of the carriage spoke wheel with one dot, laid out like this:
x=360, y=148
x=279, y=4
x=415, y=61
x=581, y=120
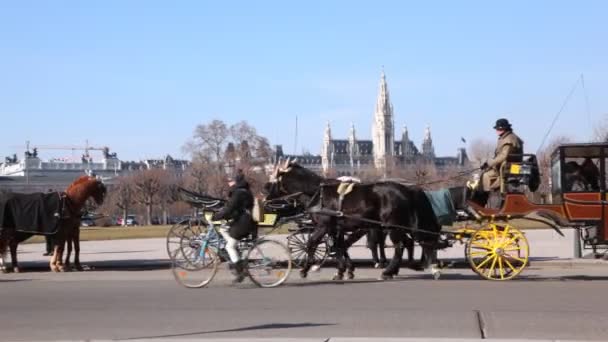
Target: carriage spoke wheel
x=497, y=251
x=297, y=242
x=268, y=263
x=181, y=235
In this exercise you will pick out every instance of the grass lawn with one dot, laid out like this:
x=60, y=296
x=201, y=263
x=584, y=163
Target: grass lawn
x=116, y=233
x=139, y=232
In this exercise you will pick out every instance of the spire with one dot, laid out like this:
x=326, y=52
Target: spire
x=327, y=136
x=383, y=131
x=352, y=135
x=406, y=144
x=405, y=134
x=427, y=133
x=327, y=149
x=427, y=144
x=383, y=102
x=352, y=144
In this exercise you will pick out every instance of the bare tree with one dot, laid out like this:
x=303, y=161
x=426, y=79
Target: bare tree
x=420, y=172
x=544, y=164
x=481, y=150
x=209, y=141
x=600, y=131
x=217, y=149
x=168, y=193
x=123, y=196
x=148, y=185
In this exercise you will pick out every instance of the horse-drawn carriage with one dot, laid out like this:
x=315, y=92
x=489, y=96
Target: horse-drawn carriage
x=495, y=247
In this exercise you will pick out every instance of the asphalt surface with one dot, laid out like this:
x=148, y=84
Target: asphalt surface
x=549, y=302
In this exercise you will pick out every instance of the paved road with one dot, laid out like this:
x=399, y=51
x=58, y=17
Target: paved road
x=548, y=302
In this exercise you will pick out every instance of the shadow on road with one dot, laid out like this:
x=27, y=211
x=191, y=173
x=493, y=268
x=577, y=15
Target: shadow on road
x=13, y=280
x=110, y=265
x=520, y=278
x=253, y=327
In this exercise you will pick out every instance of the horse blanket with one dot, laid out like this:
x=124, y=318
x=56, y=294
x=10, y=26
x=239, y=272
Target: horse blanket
x=443, y=206
x=36, y=213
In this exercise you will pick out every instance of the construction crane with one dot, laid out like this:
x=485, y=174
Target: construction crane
x=72, y=148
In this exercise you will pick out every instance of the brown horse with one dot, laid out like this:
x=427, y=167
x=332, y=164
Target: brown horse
x=68, y=228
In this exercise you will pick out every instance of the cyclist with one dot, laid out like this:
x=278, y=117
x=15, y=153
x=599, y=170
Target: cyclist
x=237, y=212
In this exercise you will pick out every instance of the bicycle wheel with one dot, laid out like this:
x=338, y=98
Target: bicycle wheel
x=181, y=234
x=195, y=272
x=268, y=263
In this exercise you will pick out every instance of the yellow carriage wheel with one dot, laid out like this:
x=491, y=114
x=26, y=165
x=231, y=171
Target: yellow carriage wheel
x=497, y=251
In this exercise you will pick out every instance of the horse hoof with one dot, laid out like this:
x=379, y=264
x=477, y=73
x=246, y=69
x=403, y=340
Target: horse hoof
x=316, y=268
x=436, y=273
x=303, y=274
x=377, y=265
x=79, y=268
x=385, y=277
x=338, y=276
x=16, y=270
x=350, y=276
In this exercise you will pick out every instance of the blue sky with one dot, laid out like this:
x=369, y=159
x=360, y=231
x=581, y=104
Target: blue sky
x=138, y=76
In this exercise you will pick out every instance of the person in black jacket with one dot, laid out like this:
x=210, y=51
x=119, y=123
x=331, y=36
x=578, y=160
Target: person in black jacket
x=237, y=212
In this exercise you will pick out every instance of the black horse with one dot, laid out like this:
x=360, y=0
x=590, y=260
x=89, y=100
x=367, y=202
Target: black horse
x=375, y=238
x=390, y=203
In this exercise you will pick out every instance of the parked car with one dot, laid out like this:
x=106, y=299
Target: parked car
x=131, y=221
x=87, y=222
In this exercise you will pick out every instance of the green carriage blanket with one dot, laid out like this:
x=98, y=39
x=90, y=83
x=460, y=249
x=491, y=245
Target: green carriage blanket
x=443, y=206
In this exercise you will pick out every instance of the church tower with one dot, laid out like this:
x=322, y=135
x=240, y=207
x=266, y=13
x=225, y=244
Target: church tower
x=428, y=151
x=406, y=147
x=327, y=150
x=353, y=150
x=383, y=133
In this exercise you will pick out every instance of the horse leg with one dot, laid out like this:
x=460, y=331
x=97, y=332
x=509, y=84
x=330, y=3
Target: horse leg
x=68, y=253
x=2, y=266
x=381, y=247
x=77, y=249
x=3, y=244
x=340, y=256
x=350, y=267
x=372, y=244
x=408, y=243
x=430, y=254
x=13, y=248
x=53, y=261
x=393, y=267
x=311, y=246
x=374, y=248
x=59, y=244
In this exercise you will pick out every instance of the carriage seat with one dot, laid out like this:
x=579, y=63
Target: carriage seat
x=518, y=172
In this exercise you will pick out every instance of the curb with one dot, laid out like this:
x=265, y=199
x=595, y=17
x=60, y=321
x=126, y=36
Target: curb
x=149, y=265
x=336, y=339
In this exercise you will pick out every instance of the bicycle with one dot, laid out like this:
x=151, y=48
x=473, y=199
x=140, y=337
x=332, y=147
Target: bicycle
x=196, y=262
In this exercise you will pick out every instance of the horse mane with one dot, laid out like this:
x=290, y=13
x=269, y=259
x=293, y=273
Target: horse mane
x=78, y=182
x=310, y=172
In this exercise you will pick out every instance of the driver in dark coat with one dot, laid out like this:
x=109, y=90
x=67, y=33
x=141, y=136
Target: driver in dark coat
x=508, y=143
x=238, y=213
